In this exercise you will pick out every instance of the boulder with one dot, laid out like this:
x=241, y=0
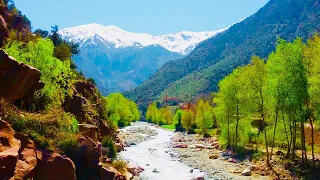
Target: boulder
x=215, y=143
x=110, y=173
x=246, y=172
x=25, y=141
x=75, y=105
x=8, y=161
x=201, y=146
x=17, y=79
x=119, y=146
x=232, y=160
x=155, y=170
x=214, y=156
x=56, y=167
x=88, y=130
x=134, y=169
x=90, y=153
x=26, y=166
x=180, y=146
x=198, y=178
x=88, y=158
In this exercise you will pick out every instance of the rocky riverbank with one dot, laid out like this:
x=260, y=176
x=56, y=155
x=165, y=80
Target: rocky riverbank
x=136, y=133
x=198, y=155
x=206, y=155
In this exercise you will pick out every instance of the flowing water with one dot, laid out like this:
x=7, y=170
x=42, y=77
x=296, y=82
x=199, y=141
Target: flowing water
x=156, y=158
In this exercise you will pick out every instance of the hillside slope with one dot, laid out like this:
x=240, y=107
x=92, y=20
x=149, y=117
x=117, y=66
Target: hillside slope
x=119, y=60
x=214, y=58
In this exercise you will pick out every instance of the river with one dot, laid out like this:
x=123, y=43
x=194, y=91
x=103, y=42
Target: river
x=157, y=158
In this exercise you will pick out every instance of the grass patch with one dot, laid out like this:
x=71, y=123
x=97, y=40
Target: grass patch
x=169, y=127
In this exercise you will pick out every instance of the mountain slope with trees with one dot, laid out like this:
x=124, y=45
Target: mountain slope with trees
x=215, y=58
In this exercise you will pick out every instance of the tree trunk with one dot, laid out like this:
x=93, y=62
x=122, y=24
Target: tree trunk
x=228, y=143
x=237, y=125
x=312, y=139
x=285, y=131
x=274, y=131
x=237, y=133
x=290, y=142
x=303, y=157
x=294, y=140
x=265, y=139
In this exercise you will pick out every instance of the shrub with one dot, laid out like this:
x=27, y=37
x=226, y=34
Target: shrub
x=40, y=141
x=108, y=143
x=120, y=165
x=68, y=144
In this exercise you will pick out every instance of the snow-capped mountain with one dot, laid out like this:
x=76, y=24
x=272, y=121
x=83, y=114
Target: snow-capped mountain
x=119, y=60
x=183, y=42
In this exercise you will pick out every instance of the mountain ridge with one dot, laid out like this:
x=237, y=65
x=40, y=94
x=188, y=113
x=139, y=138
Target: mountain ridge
x=214, y=58
x=182, y=42
x=119, y=60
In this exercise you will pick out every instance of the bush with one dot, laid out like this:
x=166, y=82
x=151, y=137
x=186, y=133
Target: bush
x=68, y=144
x=40, y=141
x=109, y=144
x=120, y=165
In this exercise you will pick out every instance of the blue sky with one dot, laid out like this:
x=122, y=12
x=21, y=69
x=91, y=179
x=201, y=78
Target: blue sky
x=150, y=16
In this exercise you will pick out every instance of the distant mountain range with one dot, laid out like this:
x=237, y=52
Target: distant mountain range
x=213, y=59
x=119, y=60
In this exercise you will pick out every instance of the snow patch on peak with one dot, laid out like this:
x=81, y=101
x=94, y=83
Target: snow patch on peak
x=181, y=42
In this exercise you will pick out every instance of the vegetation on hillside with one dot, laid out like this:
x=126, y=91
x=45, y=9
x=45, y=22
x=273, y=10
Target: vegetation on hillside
x=201, y=71
x=51, y=116
x=271, y=104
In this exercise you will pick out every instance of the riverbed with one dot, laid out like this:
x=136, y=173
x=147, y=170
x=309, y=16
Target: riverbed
x=151, y=148
x=156, y=157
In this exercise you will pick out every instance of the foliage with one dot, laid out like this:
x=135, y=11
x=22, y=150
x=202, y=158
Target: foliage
x=41, y=33
x=48, y=129
x=56, y=74
x=187, y=119
x=121, y=110
x=92, y=81
x=120, y=165
x=109, y=144
x=159, y=116
x=177, y=120
x=277, y=98
x=204, y=116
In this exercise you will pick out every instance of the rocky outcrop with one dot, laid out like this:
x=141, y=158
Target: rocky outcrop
x=88, y=158
x=134, y=169
x=4, y=32
x=9, y=147
x=110, y=173
x=17, y=79
x=87, y=106
x=20, y=160
x=56, y=167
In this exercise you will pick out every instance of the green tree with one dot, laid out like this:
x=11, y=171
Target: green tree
x=311, y=60
x=255, y=74
x=166, y=115
x=233, y=96
x=41, y=33
x=204, y=116
x=187, y=119
x=286, y=67
x=177, y=120
x=121, y=110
